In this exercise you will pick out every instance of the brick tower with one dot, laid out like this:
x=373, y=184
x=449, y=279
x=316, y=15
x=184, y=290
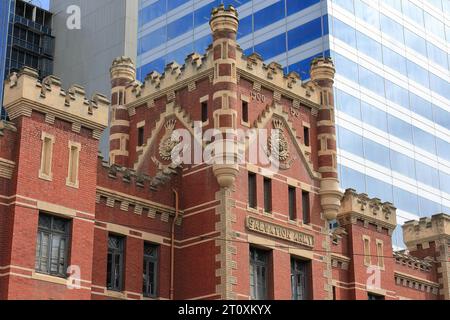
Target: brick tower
x=430, y=237
x=123, y=73
x=322, y=74
x=224, y=25
x=53, y=186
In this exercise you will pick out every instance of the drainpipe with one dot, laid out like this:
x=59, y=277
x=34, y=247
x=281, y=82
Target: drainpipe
x=172, y=246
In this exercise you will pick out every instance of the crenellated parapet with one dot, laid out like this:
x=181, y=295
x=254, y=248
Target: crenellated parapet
x=426, y=230
x=360, y=207
x=430, y=236
x=174, y=77
x=24, y=93
x=272, y=76
x=153, y=183
x=405, y=259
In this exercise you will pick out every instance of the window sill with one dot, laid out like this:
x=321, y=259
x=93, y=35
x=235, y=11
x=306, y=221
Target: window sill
x=253, y=210
x=115, y=294
x=245, y=123
x=73, y=185
x=49, y=278
x=46, y=177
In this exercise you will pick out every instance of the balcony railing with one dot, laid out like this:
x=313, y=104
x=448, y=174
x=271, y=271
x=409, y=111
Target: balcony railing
x=32, y=24
x=27, y=45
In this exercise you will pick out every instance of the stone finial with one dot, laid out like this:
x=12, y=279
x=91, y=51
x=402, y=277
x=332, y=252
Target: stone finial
x=322, y=71
x=123, y=71
x=224, y=20
x=359, y=206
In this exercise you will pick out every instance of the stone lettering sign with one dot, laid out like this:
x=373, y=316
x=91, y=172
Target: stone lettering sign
x=258, y=97
x=280, y=232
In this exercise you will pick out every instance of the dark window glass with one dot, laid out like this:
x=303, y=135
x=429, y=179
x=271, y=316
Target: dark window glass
x=204, y=111
x=300, y=279
x=259, y=274
x=305, y=207
x=245, y=111
x=52, y=245
x=252, y=190
x=267, y=195
x=150, y=268
x=140, y=136
x=114, y=276
x=292, y=203
x=371, y=296
x=306, y=136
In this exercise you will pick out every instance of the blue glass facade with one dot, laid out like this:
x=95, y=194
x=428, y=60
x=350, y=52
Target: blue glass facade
x=4, y=17
x=288, y=31
x=392, y=82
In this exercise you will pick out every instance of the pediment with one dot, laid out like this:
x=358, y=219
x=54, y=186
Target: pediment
x=291, y=148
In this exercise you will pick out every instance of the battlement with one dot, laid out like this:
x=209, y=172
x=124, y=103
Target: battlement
x=174, y=77
x=356, y=206
x=405, y=259
x=253, y=68
x=199, y=66
x=25, y=93
x=426, y=230
x=223, y=18
x=122, y=68
x=130, y=176
x=322, y=69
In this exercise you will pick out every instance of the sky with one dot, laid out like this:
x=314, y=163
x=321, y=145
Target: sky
x=42, y=3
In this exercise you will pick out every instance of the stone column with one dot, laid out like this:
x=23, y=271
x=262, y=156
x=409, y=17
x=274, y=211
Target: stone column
x=322, y=74
x=123, y=73
x=224, y=24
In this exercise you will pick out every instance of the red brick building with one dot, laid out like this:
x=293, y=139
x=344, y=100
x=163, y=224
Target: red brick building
x=143, y=227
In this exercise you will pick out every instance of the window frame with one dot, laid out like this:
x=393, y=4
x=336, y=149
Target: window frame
x=292, y=203
x=147, y=260
x=245, y=111
x=252, y=195
x=305, y=270
x=121, y=254
x=46, y=156
x=268, y=195
x=257, y=293
x=366, y=249
x=306, y=207
x=66, y=235
x=140, y=136
x=204, y=111
x=73, y=147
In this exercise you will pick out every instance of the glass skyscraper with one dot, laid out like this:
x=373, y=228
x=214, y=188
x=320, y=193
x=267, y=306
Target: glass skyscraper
x=392, y=82
x=5, y=7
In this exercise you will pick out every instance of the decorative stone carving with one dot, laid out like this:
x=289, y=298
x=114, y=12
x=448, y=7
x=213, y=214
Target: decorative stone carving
x=167, y=144
x=281, y=150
